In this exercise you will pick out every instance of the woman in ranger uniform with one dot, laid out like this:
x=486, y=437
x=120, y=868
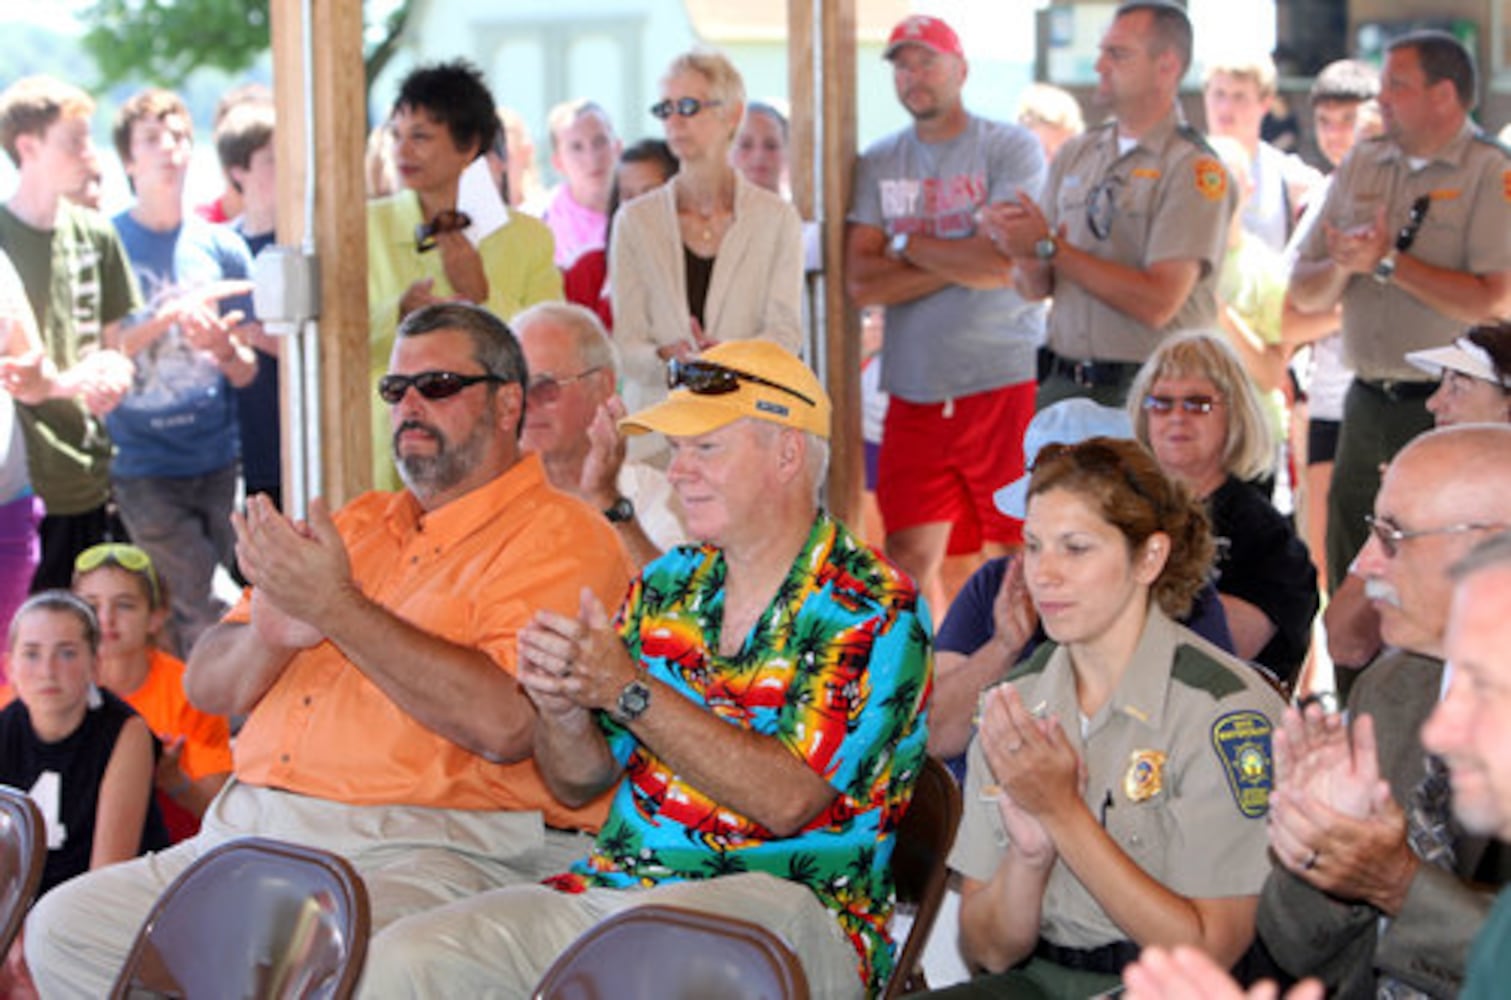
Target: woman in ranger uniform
x=1117, y=789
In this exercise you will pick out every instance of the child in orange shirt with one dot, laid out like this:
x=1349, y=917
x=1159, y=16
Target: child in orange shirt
x=122, y=586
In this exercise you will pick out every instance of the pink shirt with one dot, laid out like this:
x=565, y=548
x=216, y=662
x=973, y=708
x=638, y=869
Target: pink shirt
x=577, y=229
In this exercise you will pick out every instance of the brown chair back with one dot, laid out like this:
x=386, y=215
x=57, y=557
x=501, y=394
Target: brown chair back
x=656, y=952
x=23, y=855
x=253, y=918
x=919, y=872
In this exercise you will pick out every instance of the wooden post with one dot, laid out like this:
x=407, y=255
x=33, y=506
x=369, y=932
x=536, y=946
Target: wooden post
x=822, y=159
x=339, y=128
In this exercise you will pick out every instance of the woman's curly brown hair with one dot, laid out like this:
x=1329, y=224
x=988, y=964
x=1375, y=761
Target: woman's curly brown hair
x=1126, y=487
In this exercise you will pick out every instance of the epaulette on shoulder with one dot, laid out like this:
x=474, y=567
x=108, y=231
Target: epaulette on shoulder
x=1191, y=135
x=1035, y=664
x=1195, y=668
x=1491, y=140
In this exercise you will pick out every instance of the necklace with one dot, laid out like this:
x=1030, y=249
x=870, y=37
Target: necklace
x=706, y=214
x=707, y=219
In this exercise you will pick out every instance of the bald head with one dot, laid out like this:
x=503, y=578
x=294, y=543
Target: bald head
x=1444, y=492
x=1462, y=473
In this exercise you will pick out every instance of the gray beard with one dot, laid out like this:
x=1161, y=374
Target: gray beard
x=429, y=475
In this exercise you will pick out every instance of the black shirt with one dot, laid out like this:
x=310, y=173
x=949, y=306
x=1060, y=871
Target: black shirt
x=64, y=779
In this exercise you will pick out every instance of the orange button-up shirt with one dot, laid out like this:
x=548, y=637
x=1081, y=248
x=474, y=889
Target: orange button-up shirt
x=472, y=572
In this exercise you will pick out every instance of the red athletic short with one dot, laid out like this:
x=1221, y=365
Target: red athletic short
x=943, y=461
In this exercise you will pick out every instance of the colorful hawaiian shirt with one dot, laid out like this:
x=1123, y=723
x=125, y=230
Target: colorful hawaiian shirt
x=839, y=669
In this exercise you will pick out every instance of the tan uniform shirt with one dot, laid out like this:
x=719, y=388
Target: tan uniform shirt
x=1179, y=766
x=1467, y=228
x=1166, y=198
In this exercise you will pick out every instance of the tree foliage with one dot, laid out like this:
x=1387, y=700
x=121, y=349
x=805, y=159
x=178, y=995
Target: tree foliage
x=166, y=40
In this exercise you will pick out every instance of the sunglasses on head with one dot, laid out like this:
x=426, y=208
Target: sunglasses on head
x=127, y=557
x=684, y=106
x=431, y=385
x=1192, y=405
x=704, y=378
x=447, y=220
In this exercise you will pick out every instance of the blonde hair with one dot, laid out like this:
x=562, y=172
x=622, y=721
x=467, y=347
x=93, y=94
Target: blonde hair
x=1258, y=70
x=1051, y=105
x=724, y=81
x=1249, y=447
x=565, y=114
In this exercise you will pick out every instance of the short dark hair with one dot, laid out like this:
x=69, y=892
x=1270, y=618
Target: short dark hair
x=1495, y=340
x=1172, y=28
x=454, y=94
x=1346, y=81
x=494, y=345
x=245, y=129
x=1443, y=57
x=152, y=104
x=645, y=151
x=652, y=151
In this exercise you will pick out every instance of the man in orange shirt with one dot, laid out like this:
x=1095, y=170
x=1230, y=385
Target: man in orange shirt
x=375, y=655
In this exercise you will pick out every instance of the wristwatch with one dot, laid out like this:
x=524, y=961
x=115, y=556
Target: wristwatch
x=1386, y=268
x=621, y=511
x=1046, y=247
x=634, y=698
x=898, y=248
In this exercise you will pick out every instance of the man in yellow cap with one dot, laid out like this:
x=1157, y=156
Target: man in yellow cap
x=759, y=702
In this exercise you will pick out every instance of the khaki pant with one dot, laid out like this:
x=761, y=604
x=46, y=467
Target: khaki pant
x=501, y=943
x=411, y=858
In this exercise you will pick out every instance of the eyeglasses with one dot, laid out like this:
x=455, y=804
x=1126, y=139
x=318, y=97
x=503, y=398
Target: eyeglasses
x=127, y=557
x=431, y=385
x=1414, y=219
x=1191, y=405
x=545, y=389
x=447, y=220
x=684, y=106
x=708, y=379
x=1391, y=535
x=1102, y=206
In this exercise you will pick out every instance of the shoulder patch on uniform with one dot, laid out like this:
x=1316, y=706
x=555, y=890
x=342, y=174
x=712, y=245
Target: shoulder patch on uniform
x=1195, y=669
x=1211, y=178
x=1242, y=742
x=1035, y=664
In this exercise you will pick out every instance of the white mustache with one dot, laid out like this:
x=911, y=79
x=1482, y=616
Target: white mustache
x=1379, y=590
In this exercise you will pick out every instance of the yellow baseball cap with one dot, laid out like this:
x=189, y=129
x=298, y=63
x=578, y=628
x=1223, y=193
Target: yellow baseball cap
x=735, y=379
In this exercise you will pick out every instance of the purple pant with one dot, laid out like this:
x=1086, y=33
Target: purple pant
x=19, y=553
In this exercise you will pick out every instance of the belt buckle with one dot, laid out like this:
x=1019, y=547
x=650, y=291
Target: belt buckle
x=1083, y=373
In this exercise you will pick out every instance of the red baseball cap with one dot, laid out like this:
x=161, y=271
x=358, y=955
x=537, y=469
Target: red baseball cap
x=920, y=29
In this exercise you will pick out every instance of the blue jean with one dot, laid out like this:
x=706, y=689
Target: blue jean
x=184, y=524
